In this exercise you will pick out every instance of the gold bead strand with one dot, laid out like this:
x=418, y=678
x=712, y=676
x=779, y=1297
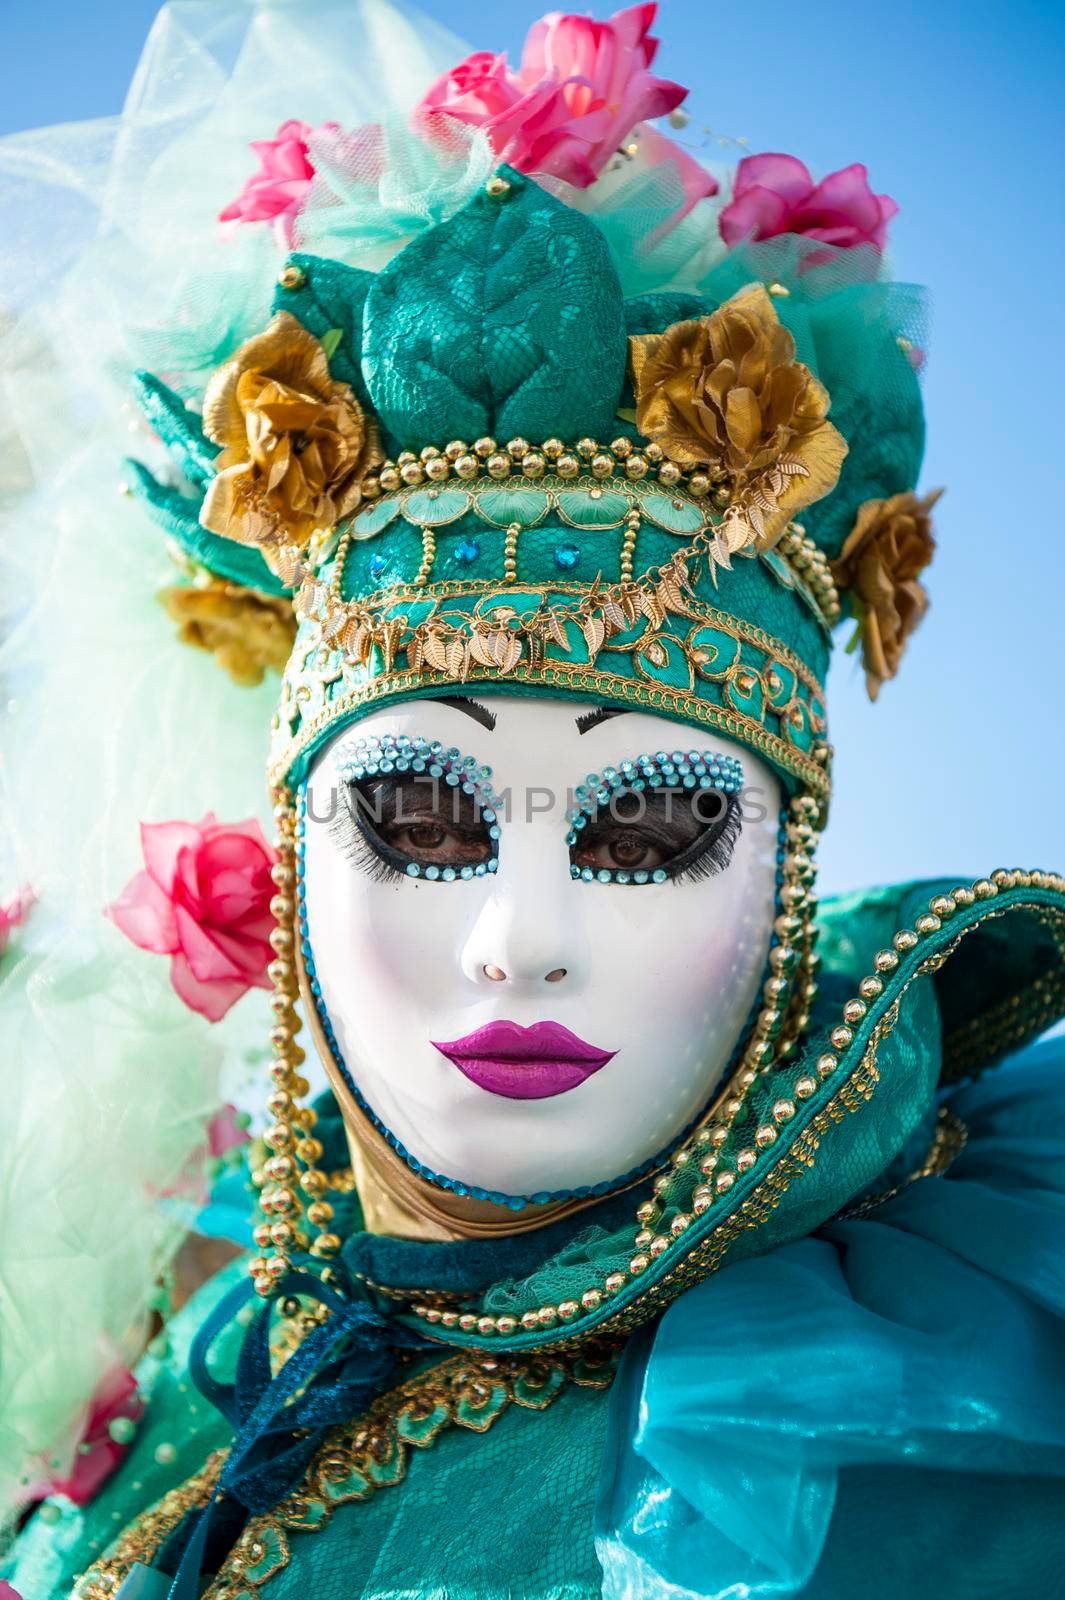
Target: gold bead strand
x=628, y=545
x=287, y=1138
x=428, y=557
x=510, y=553
x=801, y=872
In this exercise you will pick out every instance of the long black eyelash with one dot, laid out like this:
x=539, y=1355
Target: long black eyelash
x=711, y=852
x=371, y=856
x=710, y=855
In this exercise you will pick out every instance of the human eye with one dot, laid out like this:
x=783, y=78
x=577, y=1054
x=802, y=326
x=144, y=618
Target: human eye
x=667, y=817
x=413, y=809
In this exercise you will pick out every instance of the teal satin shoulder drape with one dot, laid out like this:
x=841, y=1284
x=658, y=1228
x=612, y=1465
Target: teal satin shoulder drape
x=882, y=1404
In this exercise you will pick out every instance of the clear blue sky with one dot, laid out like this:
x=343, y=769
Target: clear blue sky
x=957, y=110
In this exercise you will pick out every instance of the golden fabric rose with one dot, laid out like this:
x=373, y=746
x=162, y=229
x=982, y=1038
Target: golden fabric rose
x=885, y=552
x=296, y=445
x=246, y=632
x=726, y=392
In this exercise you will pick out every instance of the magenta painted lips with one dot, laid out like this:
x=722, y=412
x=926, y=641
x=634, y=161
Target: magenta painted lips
x=525, y=1063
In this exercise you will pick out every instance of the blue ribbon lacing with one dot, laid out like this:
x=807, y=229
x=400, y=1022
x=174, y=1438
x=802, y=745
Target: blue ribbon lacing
x=279, y=1423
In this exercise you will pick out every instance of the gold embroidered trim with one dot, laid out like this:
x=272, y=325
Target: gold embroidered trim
x=467, y=1391
x=576, y=679
x=148, y=1533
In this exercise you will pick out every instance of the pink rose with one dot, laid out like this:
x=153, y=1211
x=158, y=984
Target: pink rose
x=98, y=1454
x=582, y=88
x=205, y=902
x=775, y=194
x=276, y=193
x=227, y=1130
x=13, y=913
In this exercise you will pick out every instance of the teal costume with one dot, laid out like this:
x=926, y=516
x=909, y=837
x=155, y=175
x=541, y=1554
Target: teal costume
x=781, y=1418
x=817, y=1348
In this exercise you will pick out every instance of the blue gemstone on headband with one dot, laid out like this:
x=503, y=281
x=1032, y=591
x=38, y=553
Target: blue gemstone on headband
x=414, y=870
x=466, y=872
x=479, y=870
x=587, y=874
x=566, y=557
x=448, y=875
x=487, y=814
x=377, y=565
x=640, y=877
x=604, y=876
x=622, y=877
x=493, y=865
x=659, y=875
x=432, y=872
x=467, y=550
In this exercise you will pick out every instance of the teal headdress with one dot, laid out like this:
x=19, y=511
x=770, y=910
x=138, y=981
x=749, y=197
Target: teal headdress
x=494, y=480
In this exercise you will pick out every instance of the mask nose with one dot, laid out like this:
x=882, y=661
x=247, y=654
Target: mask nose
x=497, y=975
x=528, y=933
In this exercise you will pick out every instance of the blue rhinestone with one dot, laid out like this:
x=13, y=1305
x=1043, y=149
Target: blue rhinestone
x=640, y=877
x=622, y=877
x=432, y=873
x=604, y=876
x=467, y=550
x=574, y=870
x=659, y=875
x=377, y=565
x=448, y=875
x=479, y=870
x=566, y=557
x=493, y=865
x=414, y=870
x=466, y=872
x=587, y=874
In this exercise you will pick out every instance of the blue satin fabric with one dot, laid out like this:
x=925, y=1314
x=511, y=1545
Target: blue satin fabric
x=777, y=1420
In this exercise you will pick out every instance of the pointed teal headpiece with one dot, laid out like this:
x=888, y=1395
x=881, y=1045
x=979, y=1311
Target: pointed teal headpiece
x=451, y=479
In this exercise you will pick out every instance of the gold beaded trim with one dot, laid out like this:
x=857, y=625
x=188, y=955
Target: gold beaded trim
x=291, y=1183
x=518, y=458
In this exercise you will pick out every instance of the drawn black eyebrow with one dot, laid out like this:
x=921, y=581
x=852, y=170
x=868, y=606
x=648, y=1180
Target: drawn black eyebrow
x=592, y=719
x=472, y=708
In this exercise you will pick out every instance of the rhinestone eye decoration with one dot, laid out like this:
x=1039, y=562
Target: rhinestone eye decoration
x=391, y=755
x=680, y=771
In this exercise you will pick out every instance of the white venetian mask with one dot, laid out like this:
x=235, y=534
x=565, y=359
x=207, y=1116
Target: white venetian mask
x=516, y=1024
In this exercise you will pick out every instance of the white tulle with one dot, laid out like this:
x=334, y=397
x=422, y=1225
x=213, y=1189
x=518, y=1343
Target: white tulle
x=111, y=258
